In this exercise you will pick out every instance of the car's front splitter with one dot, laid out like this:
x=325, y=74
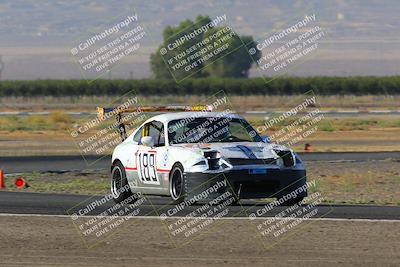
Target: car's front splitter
x=247, y=183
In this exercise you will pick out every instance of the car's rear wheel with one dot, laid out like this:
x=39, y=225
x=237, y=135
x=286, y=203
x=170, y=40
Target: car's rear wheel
x=235, y=201
x=177, y=184
x=120, y=189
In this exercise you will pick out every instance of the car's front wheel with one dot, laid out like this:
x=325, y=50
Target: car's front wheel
x=177, y=184
x=120, y=189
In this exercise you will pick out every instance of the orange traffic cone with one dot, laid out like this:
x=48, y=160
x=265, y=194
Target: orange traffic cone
x=2, y=182
x=307, y=147
x=20, y=183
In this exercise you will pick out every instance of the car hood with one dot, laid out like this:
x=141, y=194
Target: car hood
x=242, y=150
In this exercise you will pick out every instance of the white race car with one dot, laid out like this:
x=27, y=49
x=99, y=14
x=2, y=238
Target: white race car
x=184, y=153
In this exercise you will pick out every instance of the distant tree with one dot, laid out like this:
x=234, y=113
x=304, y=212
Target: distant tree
x=234, y=61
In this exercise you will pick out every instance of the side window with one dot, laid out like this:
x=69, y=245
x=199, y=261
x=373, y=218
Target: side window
x=156, y=130
x=175, y=131
x=138, y=135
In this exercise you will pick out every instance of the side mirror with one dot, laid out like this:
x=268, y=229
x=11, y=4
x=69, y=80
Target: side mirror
x=147, y=141
x=266, y=139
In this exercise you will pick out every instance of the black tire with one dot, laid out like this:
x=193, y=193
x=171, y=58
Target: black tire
x=120, y=189
x=177, y=188
x=235, y=202
x=292, y=202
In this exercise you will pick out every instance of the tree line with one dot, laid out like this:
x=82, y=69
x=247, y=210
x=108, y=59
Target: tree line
x=205, y=86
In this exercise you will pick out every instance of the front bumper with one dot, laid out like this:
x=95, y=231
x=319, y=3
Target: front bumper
x=247, y=183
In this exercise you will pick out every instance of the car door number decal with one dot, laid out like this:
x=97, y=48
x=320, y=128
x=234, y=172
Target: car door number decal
x=147, y=167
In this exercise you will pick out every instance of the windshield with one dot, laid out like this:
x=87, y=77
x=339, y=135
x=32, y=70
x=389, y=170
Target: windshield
x=211, y=130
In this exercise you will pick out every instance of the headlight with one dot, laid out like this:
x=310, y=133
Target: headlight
x=287, y=157
x=212, y=158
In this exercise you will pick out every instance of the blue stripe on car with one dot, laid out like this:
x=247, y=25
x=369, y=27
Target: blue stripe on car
x=247, y=151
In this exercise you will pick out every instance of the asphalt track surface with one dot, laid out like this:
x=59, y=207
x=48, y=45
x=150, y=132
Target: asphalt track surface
x=62, y=204
x=61, y=163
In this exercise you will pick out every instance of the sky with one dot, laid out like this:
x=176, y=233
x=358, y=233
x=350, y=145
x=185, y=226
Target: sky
x=360, y=37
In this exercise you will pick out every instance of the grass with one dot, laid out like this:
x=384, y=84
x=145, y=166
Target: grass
x=84, y=183
x=62, y=121
x=250, y=102
x=51, y=135
x=326, y=126
x=56, y=121
x=316, y=187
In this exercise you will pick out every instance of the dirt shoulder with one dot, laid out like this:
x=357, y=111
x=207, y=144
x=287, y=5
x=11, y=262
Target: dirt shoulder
x=42, y=241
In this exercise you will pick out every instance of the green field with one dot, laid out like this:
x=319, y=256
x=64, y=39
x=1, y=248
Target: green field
x=59, y=121
x=238, y=103
x=361, y=85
